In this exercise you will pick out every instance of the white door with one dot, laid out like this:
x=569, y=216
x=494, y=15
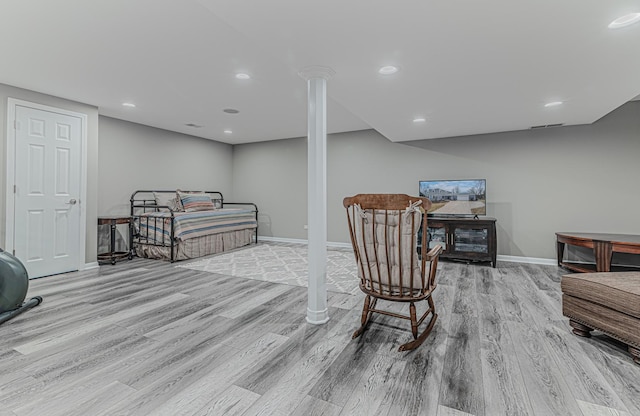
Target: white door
x=48, y=161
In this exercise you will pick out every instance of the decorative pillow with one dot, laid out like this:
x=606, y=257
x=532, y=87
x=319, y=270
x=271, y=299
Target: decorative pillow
x=197, y=201
x=168, y=199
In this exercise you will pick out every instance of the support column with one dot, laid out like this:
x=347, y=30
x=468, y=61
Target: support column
x=317, y=77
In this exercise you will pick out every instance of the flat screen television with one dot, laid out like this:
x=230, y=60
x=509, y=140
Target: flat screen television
x=456, y=196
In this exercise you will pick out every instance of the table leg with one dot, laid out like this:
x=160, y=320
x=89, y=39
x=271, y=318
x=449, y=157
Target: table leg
x=113, y=242
x=603, y=250
x=130, y=239
x=560, y=250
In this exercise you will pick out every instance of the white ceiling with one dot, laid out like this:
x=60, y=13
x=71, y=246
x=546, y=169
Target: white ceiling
x=469, y=67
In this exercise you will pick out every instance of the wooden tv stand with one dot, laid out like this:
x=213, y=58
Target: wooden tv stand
x=603, y=245
x=464, y=238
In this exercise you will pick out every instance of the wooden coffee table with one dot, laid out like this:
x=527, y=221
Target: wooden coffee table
x=603, y=245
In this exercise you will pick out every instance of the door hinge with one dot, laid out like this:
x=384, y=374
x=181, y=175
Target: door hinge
x=15, y=189
x=14, y=251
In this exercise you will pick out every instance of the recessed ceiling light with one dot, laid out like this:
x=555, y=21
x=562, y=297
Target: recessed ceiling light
x=553, y=104
x=419, y=120
x=242, y=75
x=132, y=105
x=626, y=20
x=388, y=70
x=228, y=132
x=231, y=111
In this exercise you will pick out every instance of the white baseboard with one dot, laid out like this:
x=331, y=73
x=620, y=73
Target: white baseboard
x=282, y=240
x=92, y=265
x=512, y=259
x=339, y=245
x=300, y=241
x=529, y=260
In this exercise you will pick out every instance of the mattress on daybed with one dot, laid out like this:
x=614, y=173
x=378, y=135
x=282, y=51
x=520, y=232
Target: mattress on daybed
x=156, y=226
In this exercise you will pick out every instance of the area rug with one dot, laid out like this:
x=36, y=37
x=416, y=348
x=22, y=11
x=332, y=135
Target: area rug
x=282, y=263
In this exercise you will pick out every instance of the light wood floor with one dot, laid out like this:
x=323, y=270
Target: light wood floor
x=143, y=337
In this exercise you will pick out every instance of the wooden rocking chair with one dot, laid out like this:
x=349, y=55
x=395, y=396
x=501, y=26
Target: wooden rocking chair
x=384, y=229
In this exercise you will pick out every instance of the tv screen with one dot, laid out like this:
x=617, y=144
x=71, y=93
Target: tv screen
x=456, y=197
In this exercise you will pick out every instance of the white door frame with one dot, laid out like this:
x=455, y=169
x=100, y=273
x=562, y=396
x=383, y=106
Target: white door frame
x=12, y=103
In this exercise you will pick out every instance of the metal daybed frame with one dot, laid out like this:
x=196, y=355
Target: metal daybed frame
x=143, y=201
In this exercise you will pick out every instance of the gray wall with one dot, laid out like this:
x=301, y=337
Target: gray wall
x=578, y=178
x=133, y=157
x=7, y=91
x=538, y=182
x=274, y=176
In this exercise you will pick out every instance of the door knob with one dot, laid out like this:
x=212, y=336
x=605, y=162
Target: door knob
x=72, y=202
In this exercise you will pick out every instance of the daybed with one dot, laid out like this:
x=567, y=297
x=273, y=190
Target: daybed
x=178, y=225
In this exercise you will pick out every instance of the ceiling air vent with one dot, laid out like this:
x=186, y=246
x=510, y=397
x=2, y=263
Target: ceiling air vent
x=195, y=126
x=546, y=126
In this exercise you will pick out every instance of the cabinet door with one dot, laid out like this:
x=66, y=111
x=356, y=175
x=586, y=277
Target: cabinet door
x=437, y=235
x=470, y=239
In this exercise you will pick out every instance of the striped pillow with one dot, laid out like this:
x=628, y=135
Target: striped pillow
x=197, y=201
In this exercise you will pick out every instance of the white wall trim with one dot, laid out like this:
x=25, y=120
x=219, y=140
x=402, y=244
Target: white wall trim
x=92, y=265
x=511, y=259
x=529, y=260
x=9, y=175
x=12, y=103
x=282, y=240
x=300, y=241
x=339, y=245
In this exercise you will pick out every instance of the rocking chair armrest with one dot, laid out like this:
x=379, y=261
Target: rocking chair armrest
x=434, y=253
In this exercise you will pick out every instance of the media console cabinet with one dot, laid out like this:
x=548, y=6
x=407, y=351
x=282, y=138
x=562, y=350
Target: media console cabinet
x=603, y=245
x=464, y=238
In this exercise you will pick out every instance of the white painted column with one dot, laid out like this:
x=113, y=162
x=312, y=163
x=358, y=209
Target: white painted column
x=317, y=77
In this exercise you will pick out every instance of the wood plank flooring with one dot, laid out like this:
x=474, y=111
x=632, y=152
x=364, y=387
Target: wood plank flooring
x=146, y=338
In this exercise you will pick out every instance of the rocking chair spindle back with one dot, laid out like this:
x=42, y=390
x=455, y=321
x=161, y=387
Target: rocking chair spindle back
x=383, y=230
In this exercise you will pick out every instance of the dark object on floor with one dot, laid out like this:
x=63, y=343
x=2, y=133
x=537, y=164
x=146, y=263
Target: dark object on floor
x=608, y=302
x=384, y=230
x=112, y=256
x=14, y=282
